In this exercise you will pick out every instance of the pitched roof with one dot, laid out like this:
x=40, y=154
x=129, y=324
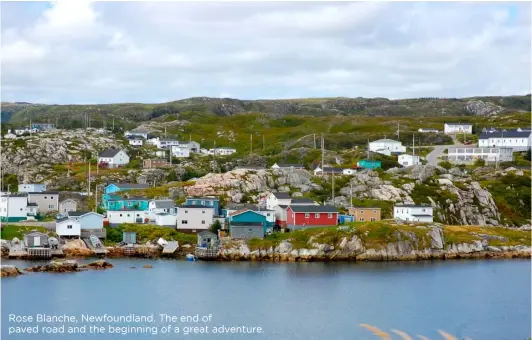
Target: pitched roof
x=196, y=206
x=131, y=185
x=281, y=195
x=44, y=193
x=109, y=153
x=302, y=200
x=313, y=209
x=35, y=232
x=164, y=204
x=331, y=169
x=412, y=206
x=241, y=211
x=66, y=218
x=128, y=199
x=288, y=165
x=68, y=199
x=204, y=198
x=360, y=207
x=463, y=124
x=206, y=233
x=78, y=213
x=505, y=134
x=253, y=224
x=32, y=204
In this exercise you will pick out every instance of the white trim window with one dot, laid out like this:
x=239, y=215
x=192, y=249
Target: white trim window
x=317, y=215
x=330, y=215
x=307, y=215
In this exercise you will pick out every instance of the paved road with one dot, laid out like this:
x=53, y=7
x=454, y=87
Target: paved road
x=433, y=157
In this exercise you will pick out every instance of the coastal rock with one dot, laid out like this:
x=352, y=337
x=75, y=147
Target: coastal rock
x=148, y=266
x=9, y=270
x=436, y=238
x=101, y=264
x=285, y=247
x=66, y=266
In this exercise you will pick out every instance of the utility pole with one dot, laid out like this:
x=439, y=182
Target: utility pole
x=413, y=147
x=30, y=127
x=332, y=174
x=190, y=138
x=314, y=141
x=322, y=155
x=89, y=179
x=113, y=124
x=56, y=122
x=165, y=132
x=351, y=187
x=251, y=144
x=96, y=198
x=263, y=144
x=8, y=197
x=170, y=154
x=397, y=130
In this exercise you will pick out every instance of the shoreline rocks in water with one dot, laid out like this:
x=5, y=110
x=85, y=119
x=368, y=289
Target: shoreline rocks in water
x=69, y=266
x=9, y=270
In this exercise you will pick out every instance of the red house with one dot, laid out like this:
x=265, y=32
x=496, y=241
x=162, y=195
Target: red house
x=311, y=216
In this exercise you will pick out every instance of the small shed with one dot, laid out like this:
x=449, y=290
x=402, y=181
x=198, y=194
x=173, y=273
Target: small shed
x=35, y=239
x=129, y=237
x=206, y=239
x=369, y=164
x=247, y=230
x=343, y=219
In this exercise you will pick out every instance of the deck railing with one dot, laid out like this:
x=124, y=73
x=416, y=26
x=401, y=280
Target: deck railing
x=100, y=233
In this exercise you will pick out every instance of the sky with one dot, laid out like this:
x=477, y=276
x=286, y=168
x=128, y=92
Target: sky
x=80, y=52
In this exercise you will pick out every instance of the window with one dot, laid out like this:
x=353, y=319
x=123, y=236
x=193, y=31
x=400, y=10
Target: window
x=307, y=215
x=203, y=222
x=120, y=215
x=362, y=211
x=423, y=210
x=184, y=222
x=317, y=215
x=20, y=209
x=361, y=219
x=138, y=215
x=186, y=211
x=51, y=206
x=128, y=215
x=202, y=202
x=374, y=211
x=69, y=226
x=45, y=197
x=203, y=211
x=330, y=215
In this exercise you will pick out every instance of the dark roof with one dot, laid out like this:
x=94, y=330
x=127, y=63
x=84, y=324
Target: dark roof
x=129, y=199
x=77, y=213
x=505, y=134
x=331, y=169
x=422, y=215
x=282, y=206
x=359, y=207
x=251, y=224
x=412, y=206
x=131, y=185
x=164, y=203
x=22, y=194
x=135, y=138
x=109, y=153
x=466, y=124
x=302, y=200
x=206, y=232
x=62, y=219
x=32, y=204
x=44, y=193
x=281, y=195
x=196, y=206
x=313, y=208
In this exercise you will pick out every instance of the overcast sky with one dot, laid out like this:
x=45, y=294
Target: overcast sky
x=81, y=53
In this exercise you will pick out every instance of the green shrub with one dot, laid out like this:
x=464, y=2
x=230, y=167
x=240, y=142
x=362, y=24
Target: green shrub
x=445, y=164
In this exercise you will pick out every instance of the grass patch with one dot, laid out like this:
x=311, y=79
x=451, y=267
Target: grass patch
x=147, y=233
x=8, y=232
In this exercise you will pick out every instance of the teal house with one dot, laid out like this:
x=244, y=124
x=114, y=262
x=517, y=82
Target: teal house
x=369, y=164
x=132, y=203
x=205, y=201
x=113, y=188
x=246, y=224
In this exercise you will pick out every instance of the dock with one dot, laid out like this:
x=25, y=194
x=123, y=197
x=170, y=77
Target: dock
x=170, y=247
x=207, y=254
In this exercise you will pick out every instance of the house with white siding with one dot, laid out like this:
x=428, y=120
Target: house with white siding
x=222, y=151
x=452, y=128
x=514, y=139
x=469, y=155
x=387, y=147
x=113, y=158
x=194, y=218
x=137, y=133
x=413, y=213
x=161, y=207
x=136, y=141
x=116, y=217
x=180, y=151
x=13, y=207
x=80, y=224
x=277, y=198
x=408, y=160
x=68, y=205
x=31, y=187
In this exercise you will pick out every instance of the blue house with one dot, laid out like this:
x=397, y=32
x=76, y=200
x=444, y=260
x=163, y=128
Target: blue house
x=205, y=201
x=247, y=224
x=112, y=188
x=121, y=203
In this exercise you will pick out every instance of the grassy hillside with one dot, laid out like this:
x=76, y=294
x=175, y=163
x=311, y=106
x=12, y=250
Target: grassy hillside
x=133, y=112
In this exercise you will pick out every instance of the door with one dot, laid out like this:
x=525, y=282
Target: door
x=36, y=241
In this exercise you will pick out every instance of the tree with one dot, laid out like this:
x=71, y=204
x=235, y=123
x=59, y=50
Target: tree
x=480, y=162
x=215, y=227
x=527, y=155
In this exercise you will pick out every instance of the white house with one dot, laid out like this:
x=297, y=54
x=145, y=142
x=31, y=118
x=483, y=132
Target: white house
x=270, y=215
x=180, y=151
x=13, y=207
x=166, y=220
x=277, y=198
x=163, y=143
x=331, y=170
x=222, y=151
x=514, y=139
x=116, y=217
x=136, y=141
x=113, y=158
x=412, y=212
x=32, y=210
x=194, y=218
x=9, y=135
x=161, y=207
x=137, y=132
x=68, y=227
x=67, y=205
x=31, y=187
x=408, y=160
x=428, y=130
x=80, y=224
x=387, y=147
x=469, y=155
x=451, y=128
x=349, y=172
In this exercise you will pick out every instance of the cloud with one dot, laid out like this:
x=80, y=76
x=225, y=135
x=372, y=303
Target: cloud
x=103, y=52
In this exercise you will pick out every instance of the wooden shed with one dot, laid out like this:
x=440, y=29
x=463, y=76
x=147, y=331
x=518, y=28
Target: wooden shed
x=35, y=239
x=129, y=237
x=207, y=239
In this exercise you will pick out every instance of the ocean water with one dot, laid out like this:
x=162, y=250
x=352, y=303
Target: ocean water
x=479, y=299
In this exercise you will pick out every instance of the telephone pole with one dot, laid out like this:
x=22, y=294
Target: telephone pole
x=89, y=180
x=251, y=144
x=322, y=155
x=314, y=141
x=332, y=174
x=263, y=144
x=113, y=124
x=351, y=187
x=397, y=130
